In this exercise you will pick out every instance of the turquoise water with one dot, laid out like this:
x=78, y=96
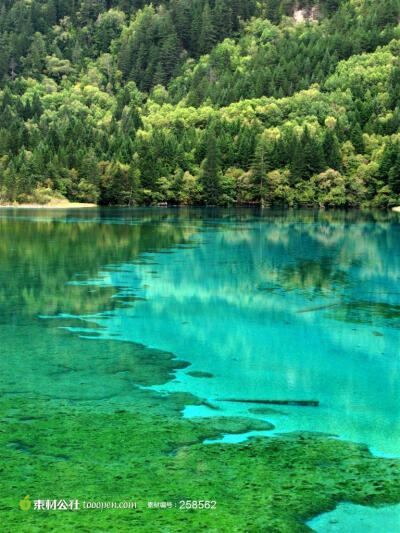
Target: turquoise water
x=358, y=519
x=294, y=305
x=246, y=303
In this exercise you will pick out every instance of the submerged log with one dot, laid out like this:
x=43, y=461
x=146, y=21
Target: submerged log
x=304, y=403
x=209, y=405
x=318, y=308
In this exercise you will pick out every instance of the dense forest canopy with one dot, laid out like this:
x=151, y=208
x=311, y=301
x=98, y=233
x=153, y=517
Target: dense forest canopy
x=209, y=102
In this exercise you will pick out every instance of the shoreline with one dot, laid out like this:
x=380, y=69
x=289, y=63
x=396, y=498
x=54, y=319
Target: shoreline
x=78, y=205
x=58, y=205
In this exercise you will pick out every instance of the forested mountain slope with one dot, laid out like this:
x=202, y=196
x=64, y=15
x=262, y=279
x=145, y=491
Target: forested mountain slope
x=221, y=102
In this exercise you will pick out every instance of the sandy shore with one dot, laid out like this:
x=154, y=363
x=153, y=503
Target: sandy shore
x=60, y=204
x=396, y=209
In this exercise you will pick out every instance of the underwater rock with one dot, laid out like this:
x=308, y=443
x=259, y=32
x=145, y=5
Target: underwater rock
x=265, y=411
x=233, y=424
x=182, y=398
x=198, y=374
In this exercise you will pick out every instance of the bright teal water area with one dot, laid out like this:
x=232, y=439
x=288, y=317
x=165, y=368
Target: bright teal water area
x=277, y=306
x=352, y=518
x=270, y=305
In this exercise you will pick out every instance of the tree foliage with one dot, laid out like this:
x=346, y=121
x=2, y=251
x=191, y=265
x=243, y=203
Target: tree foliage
x=210, y=102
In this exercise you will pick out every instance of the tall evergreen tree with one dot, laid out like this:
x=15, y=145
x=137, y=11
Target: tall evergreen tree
x=210, y=172
x=308, y=157
x=394, y=176
x=357, y=139
x=388, y=160
x=208, y=36
x=331, y=149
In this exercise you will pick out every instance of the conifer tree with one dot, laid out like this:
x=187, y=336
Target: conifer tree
x=394, y=176
x=331, y=149
x=388, y=160
x=357, y=139
x=272, y=11
x=210, y=173
x=207, y=37
x=308, y=157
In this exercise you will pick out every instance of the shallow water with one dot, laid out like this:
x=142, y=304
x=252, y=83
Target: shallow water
x=358, y=519
x=292, y=305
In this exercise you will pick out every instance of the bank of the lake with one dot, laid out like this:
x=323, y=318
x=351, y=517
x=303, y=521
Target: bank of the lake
x=66, y=204
x=63, y=204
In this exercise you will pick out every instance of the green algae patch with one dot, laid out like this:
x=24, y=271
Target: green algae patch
x=265, y=411
x=147, y=452
x=198, y=374
x=375, y=314
x=57, y=364
x=232, y=424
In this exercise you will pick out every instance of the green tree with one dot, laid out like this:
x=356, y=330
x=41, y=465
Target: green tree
x=308, y=157
x=394, y=176
x=388, y=160
x=207, y=37
x=331, y=150
x=210, y=172
x=357, y=139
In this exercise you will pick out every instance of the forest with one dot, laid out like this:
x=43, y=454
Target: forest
x=200, y=102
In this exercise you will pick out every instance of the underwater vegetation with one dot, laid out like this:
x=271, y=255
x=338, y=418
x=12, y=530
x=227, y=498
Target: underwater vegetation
x=87, y=415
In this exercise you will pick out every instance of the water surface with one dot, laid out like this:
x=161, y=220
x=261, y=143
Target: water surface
x=292, y=305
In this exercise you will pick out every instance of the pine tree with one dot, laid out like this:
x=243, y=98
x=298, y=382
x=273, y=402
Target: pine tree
x=89, y=169
x=125, y=60
x=210, y=175
x=388, y=160
x=262, y=164
x=195, y=29
x=36, y=55
x=51, y=13
x=331, y=6
x=308, y=157
x=394, y=87
x=159, y=77
x=135, y=185
x=331, y=149
x=169, y=54
x=272, y=11
x=245, y=146
x=37, y=108
x=357, y=139
x=181, y=17
x=222, y=20
x=394, y=176
x=207, y=37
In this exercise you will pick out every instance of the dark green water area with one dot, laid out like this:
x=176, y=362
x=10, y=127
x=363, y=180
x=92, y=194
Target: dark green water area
x=123, y=332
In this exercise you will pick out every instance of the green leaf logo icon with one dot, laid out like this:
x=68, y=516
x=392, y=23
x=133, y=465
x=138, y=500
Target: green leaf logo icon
x=25, y=504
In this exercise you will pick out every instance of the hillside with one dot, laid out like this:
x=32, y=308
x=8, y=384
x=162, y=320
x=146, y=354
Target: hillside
x=224, y=102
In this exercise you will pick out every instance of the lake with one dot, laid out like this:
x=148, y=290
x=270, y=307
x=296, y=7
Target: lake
x=271, y=305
